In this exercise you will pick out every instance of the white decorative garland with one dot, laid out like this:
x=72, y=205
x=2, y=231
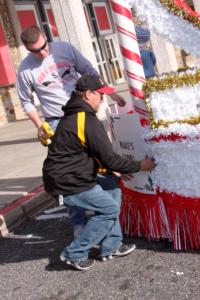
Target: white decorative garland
x=176, y=104
x=183, y=130
x=177, y=30
x=177, y=168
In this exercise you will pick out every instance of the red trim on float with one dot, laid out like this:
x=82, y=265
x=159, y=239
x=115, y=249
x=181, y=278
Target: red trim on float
x=160, y=216
x=183, y=5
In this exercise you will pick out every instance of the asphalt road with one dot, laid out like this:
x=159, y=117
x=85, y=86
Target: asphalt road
x=30, y=269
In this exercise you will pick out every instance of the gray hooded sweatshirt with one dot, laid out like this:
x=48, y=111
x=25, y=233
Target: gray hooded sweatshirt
x=52, y=79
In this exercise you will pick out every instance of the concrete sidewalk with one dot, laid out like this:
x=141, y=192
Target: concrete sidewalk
x=22, y=156
x=21, y=170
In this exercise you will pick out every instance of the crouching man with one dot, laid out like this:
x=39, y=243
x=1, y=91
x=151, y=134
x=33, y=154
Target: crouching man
x=79, y=148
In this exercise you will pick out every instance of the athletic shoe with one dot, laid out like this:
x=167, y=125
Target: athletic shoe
x=78, y=265
x=105, y=258
x=122, y=251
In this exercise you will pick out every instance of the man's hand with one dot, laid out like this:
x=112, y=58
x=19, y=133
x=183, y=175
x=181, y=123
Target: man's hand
x=42, y=133
x=127, y=177
x=124, y=177
x=117, y=174
x=147, y=164
x=119, y=99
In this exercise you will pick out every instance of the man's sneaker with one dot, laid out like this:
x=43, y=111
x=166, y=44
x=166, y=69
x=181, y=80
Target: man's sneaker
x=78, y=265
x=105, y=258
x=122, y=251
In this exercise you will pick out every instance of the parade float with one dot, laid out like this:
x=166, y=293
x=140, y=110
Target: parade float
x=166, y=116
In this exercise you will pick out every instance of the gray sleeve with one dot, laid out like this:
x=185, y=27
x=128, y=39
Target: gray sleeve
x=25, y=92
x=82, y=64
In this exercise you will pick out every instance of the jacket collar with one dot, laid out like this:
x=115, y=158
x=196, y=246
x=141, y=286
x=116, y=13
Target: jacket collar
x=77, y=104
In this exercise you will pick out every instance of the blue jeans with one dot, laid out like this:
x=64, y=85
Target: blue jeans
x=101, y=228
x=108, y=183
x=53, y=123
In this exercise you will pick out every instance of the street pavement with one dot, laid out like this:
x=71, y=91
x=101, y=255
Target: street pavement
x=21, y=160
x=29, y=256
x=30, y=269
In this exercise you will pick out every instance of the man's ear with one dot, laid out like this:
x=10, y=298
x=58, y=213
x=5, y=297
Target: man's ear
x=87, y=94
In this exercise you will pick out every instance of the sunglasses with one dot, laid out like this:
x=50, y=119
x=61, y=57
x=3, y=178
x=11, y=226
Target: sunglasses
x=38, y=49
x=98, y=93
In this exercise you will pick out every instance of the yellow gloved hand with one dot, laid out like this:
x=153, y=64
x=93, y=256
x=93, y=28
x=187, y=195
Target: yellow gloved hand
x=45, y=132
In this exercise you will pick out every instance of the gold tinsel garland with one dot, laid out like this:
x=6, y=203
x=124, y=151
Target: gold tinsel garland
x=180, y=12
x=161, y=123
x=170, y=81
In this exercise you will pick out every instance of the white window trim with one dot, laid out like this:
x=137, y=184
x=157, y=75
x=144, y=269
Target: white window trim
x=103, y=4
x=48, y=6
x=22, y=7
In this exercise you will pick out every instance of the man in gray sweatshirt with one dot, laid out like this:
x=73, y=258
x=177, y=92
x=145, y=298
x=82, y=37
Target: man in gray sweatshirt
x=51, y=71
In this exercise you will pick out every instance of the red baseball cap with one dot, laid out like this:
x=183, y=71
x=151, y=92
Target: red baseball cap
x=93, y=83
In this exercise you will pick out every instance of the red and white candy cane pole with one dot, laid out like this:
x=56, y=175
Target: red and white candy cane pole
x=130, y=52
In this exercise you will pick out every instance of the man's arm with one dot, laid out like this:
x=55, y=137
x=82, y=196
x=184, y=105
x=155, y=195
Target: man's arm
x=34, y=117
x=82, y=64
x=118, y=98
x=101, y=148
x=25, y=93
x=26, y=97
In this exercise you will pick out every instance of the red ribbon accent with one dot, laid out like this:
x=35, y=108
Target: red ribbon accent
x=183, y=5
x=136, y=93
x=135, y=77
x=121, y=10
x=126, y=32
x=131, y=55
x=169, y=137
x=145, y=122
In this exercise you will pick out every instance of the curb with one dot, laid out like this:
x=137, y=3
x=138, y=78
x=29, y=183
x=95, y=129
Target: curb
x=23, y=209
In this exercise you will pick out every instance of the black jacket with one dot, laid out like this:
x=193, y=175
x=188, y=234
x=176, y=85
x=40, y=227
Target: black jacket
x=79, y=148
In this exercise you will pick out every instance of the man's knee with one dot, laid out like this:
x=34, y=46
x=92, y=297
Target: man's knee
x=112, y=209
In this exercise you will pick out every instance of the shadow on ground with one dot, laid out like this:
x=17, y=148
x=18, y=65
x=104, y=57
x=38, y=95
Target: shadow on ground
x=17, y=184
x=17, y=142
x=47, y=238
x=14, y=188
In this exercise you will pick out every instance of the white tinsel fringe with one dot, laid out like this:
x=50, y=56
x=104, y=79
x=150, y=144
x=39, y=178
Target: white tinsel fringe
x=177, y=168
x=176, y=104
x=183, y=130
x=177, y=30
